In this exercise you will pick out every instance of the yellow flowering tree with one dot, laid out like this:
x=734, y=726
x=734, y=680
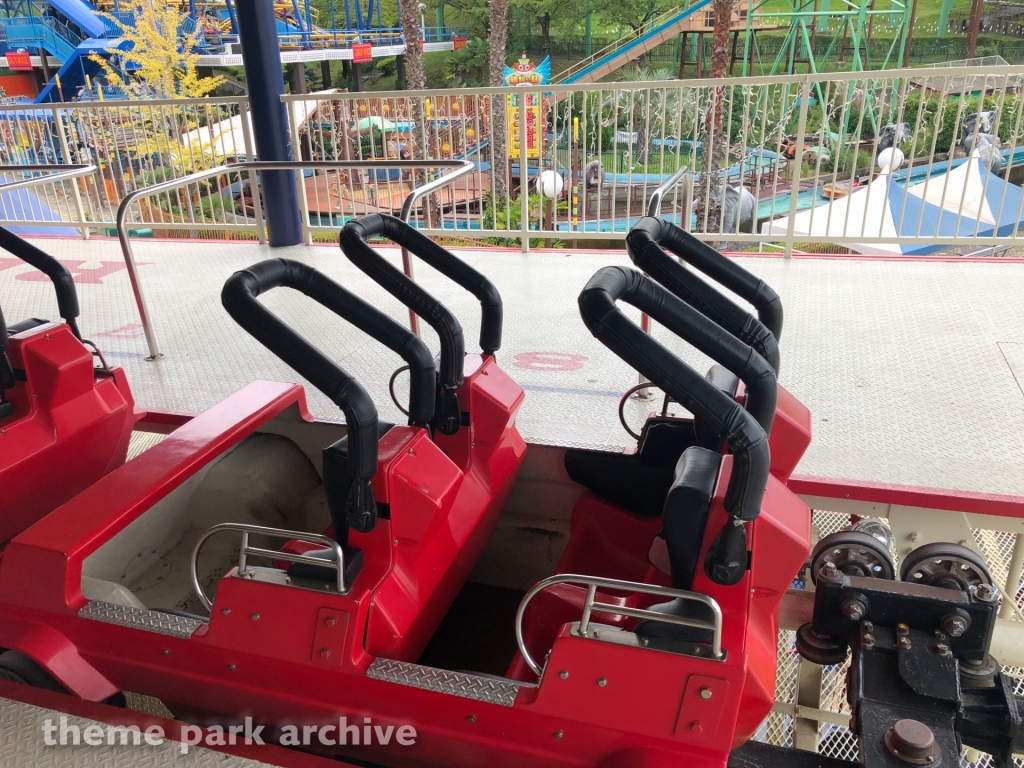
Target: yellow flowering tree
x=161, y=59
x=159, y=63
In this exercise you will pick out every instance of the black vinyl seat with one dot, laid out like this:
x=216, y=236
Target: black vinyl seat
x=686, y=511
x=687, y=507
x=639, y=482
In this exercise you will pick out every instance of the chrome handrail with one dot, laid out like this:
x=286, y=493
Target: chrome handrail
x=654, y=209
x=590, y=605
x=245, y=551
x=654, y=204
x=459, y=168
x=54, y=173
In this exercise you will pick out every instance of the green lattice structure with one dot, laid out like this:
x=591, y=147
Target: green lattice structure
x=848, y=25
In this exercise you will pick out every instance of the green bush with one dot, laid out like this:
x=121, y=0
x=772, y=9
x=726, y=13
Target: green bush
x=849, y=162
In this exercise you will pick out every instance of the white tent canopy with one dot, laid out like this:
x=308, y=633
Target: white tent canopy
x=963, y=201
x=863, y=213
x=976, y=195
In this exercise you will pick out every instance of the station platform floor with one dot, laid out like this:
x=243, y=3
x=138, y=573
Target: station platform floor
x=913, y=369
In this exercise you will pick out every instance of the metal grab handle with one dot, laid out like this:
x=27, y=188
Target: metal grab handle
x=590, y=605
x=654, y=204
x=654, y=209
x=245, y=551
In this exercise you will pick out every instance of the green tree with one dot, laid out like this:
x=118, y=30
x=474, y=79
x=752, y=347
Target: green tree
x=631, y=13
x=647, y=112
x=469, y=65
x=163, y=62
x=545, y=12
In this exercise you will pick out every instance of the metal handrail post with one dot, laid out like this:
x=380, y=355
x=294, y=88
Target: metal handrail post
x=250, y=152
x=683, y=175
x=460, y=167
x=414, y=196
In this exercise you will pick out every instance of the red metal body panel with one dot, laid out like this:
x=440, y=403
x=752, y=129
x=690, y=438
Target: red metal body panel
x=71, y=425
x=779, y=541
x=791, y=434
x=260, y=653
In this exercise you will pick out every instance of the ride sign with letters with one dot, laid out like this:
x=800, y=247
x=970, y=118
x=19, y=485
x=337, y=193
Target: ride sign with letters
x=362, y=53
x=524, y=73
x=19, y=61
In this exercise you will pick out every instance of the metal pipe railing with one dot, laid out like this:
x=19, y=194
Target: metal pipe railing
x=245, y=551
x=682, y=175
x=591, y=604
x=459, y=168
x=685, y=176
x=54, y=173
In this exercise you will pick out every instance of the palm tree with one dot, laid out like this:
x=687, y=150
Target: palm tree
x=415, y=78
x=498, y=37
x=709, y=190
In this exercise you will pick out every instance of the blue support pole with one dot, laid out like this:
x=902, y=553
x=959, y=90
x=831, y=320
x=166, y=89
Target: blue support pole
x=348, y=17
x=231, y=15
x=298, y=19
x=359, y=14
x=261, y=56
x=334, y=25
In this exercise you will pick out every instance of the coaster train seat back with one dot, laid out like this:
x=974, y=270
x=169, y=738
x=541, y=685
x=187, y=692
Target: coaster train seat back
x=638, y=480
x=617, y=524
x=64, y=422
x=609, y=541
x=476, y=400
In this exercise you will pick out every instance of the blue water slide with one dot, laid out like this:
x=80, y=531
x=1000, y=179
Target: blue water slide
x=74, y=70
x=635, y=48
x=82, y=14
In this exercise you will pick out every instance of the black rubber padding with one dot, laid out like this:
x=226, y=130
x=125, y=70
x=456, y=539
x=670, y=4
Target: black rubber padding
x=19, y=668
x=63, y=283
x=647, y=244
x=354, y=245
x=239, y=299
x=737, y=426
x=6, y=371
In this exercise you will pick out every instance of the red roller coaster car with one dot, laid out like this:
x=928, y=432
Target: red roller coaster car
x=64, y=423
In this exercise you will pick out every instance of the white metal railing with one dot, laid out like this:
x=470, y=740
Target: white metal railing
x=187, y=187
x=47, y=175
x=789, y=142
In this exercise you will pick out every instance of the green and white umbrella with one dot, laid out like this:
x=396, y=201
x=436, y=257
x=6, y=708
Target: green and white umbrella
x=367, y=124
